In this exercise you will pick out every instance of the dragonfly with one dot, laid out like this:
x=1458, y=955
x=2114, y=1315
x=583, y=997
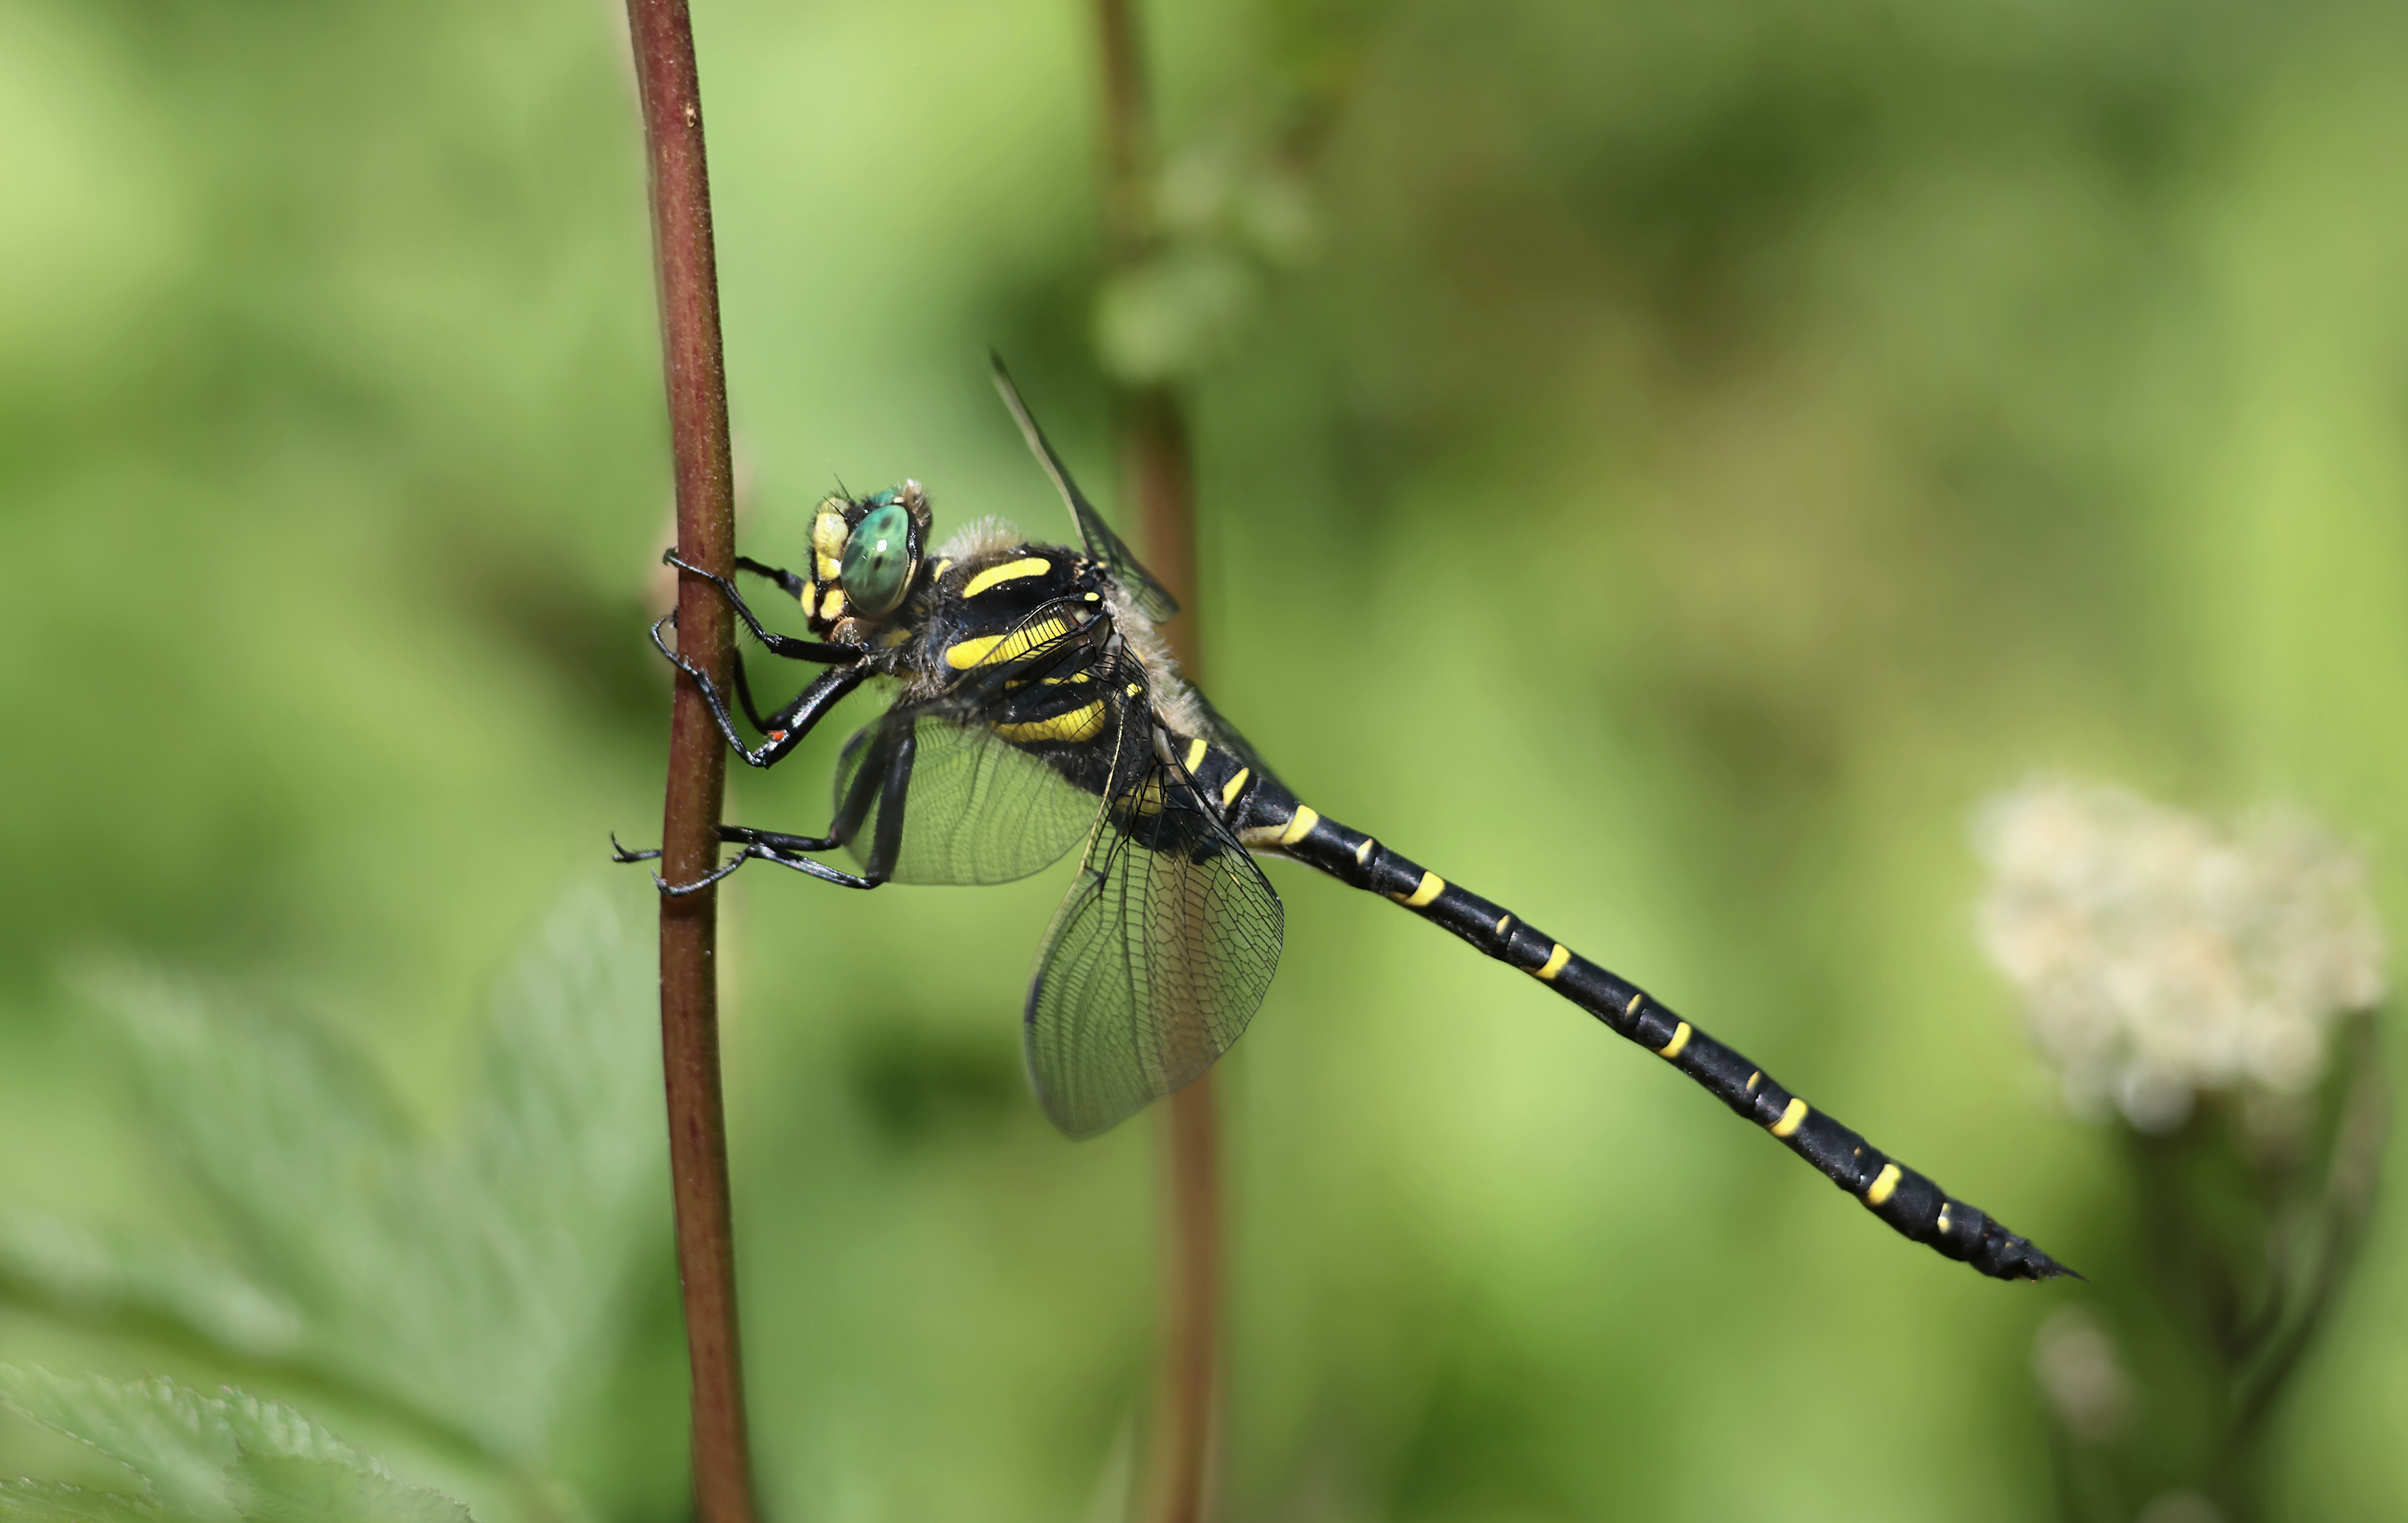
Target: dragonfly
x=1036, y=712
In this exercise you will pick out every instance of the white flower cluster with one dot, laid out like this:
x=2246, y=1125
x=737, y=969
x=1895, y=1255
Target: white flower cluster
x=2157, y=959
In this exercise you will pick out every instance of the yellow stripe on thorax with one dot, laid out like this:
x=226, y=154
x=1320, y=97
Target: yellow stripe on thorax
x=1078, y=724
x=1011, y=570
x=987, y=650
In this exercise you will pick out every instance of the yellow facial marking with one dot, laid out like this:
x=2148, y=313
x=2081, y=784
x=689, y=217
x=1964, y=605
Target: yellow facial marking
x=1300, y=826
x=1791, y=1120
x=1680, y=1040
x=1231, y=790
x=1363, y=852
x=1011, y=570
x=986, y=649
x=1195, y=749
x=828, y=533
x=1555, y=963
x=832, y=608
x=1885, y=1186
x=1078, y=724
x=829, y=568
x=1943, y=1216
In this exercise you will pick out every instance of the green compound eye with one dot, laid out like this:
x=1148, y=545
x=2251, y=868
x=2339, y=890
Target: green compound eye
x=877, y=564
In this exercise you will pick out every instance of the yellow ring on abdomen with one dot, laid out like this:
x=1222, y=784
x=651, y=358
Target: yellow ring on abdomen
x=1300, y=825
x=1885, y=1186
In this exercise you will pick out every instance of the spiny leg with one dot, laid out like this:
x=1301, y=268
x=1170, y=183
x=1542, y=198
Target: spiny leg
x=1911, y=1203
x=786, y=730
x=786, y=727
x=887, y=775
x=744, y=696
x=885, y=778
x=620, y=854
x=788, y=646
x=787, y=580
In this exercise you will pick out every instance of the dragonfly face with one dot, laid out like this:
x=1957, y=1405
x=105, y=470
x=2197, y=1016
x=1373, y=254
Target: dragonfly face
x=1037, y=713
x=866, y=554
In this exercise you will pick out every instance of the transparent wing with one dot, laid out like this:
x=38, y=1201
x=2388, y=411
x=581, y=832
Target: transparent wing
x=1155, y=962
x=977, y=806
x=977, y=810
x=1101, y=543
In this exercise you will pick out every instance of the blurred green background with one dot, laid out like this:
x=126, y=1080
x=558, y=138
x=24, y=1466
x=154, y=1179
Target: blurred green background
x=1690, y=454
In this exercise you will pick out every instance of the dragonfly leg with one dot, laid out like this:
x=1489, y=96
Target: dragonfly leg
x=885, y=778
x=744, y=697
x=679, y=890
x=886, y=846
x=818, y=870
x=780, y=841
x=787, y=645
x=785, y=578
x=771, y=847
x=789, y=725
x=620, y=854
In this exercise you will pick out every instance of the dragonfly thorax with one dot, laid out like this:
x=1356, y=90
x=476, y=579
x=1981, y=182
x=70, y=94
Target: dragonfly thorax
x=994, y=606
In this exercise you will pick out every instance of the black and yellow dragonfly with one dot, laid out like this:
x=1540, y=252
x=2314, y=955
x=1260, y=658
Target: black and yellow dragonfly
x=1036, y=712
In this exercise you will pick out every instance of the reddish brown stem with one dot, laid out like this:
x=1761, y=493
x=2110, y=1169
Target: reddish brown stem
x=1186, y=1426
x=671, y=96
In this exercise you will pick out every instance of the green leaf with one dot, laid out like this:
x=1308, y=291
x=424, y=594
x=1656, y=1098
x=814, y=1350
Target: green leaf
x=51, y=1502
x=279, y=1489
x=472, y=1281
x=206, y=1458
x=165, y=1435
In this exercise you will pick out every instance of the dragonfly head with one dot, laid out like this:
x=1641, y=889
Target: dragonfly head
x=866, y=554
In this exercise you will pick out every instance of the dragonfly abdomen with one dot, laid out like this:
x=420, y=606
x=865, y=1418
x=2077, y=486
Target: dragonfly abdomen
x=1910, y=1203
